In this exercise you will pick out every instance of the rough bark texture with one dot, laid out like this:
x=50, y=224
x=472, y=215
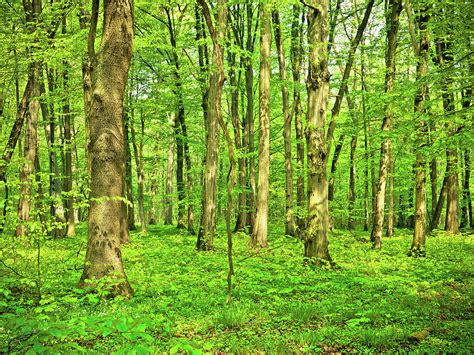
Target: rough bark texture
x=106, y=213
x=216, y=82
x=419, y=234
x=289, y=215
x=260, y=230
x=296, y=49
x=395, y=7
x=29, y=152
x=316, y=238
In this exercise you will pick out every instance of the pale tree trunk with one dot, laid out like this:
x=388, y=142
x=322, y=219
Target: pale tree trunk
x=169, y=178
x=32, y=11
x=366, y=145
x=30, y=149
x=128, y=177
x=249, y=127
x=392, y=19
x=296, y=49
x=216, y=82
x=422, y=53
x=260, y=230
x=391, y=182
x=316, y=234
x=289, y=215
x=107, y=150
x=68, y=145
x=138, y=154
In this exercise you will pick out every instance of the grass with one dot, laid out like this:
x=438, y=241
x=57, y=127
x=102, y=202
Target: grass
x=373, y=301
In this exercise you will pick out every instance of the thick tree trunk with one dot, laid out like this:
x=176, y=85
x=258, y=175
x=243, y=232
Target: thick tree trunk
x=316, y=238
x=30, y=149
x=289, y=214
x=216, y=83
x=106, y=213
x=296, y=49
x=260, y=230
x=419, y=235
x=169, y=178
x=393, y=24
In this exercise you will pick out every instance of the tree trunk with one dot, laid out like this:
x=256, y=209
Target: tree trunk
x=392, y=24
x=68, y=145
x=467, y=201
x=316, y=239
x=260, y=230
x=216, y=83
x=30, y=148
x=106, y=213
x=128, y=177
x=366, y=146
x=169, y=178
x=296, y=49
x=138, y=154
x=352, y=181
x=289, y=215
x=335, y=158
x=452, y=193
x=249, y=130
x=419, y=235
x=391, y=182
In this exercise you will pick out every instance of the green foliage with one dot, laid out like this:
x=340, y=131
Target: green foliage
x=374, y=300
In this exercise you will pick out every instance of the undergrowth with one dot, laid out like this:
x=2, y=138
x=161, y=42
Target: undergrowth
x=372, y=301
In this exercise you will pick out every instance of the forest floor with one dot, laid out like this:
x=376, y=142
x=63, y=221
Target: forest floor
x=374, y=301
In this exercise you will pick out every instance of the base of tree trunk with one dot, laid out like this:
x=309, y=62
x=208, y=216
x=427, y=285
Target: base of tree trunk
x=417, y=252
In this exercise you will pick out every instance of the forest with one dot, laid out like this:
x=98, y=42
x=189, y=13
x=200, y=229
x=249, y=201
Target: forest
x=234, y=176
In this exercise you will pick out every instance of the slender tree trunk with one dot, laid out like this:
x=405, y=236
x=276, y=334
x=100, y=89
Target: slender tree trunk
x=106, y=212
x=169, y=178
x=466, y=190
x=138, y=153
x=249, y=130
x=296, y=49
x=216, y=83
x=68, y=145
x=352, y=181
x=419, y=235
x=316, y=239
x=260, y=231
x=335, y=159
x=391, y=182
x=289, y=215
x=128, y=177
x=452, y=195
x=366, y=146
x=395, y=7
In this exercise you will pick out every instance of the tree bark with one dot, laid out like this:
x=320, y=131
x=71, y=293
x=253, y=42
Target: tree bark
x=128, y=177
x=419, y=236
x=316, y=239
x=138, y=154
x=30, y=151
x=260, y=230
x=296, y=58
x=289, y=214
x=216, y=83
x=106, y=213
x=395, y=7
x=467, y=201
x=169, y=178
x=68, y=145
